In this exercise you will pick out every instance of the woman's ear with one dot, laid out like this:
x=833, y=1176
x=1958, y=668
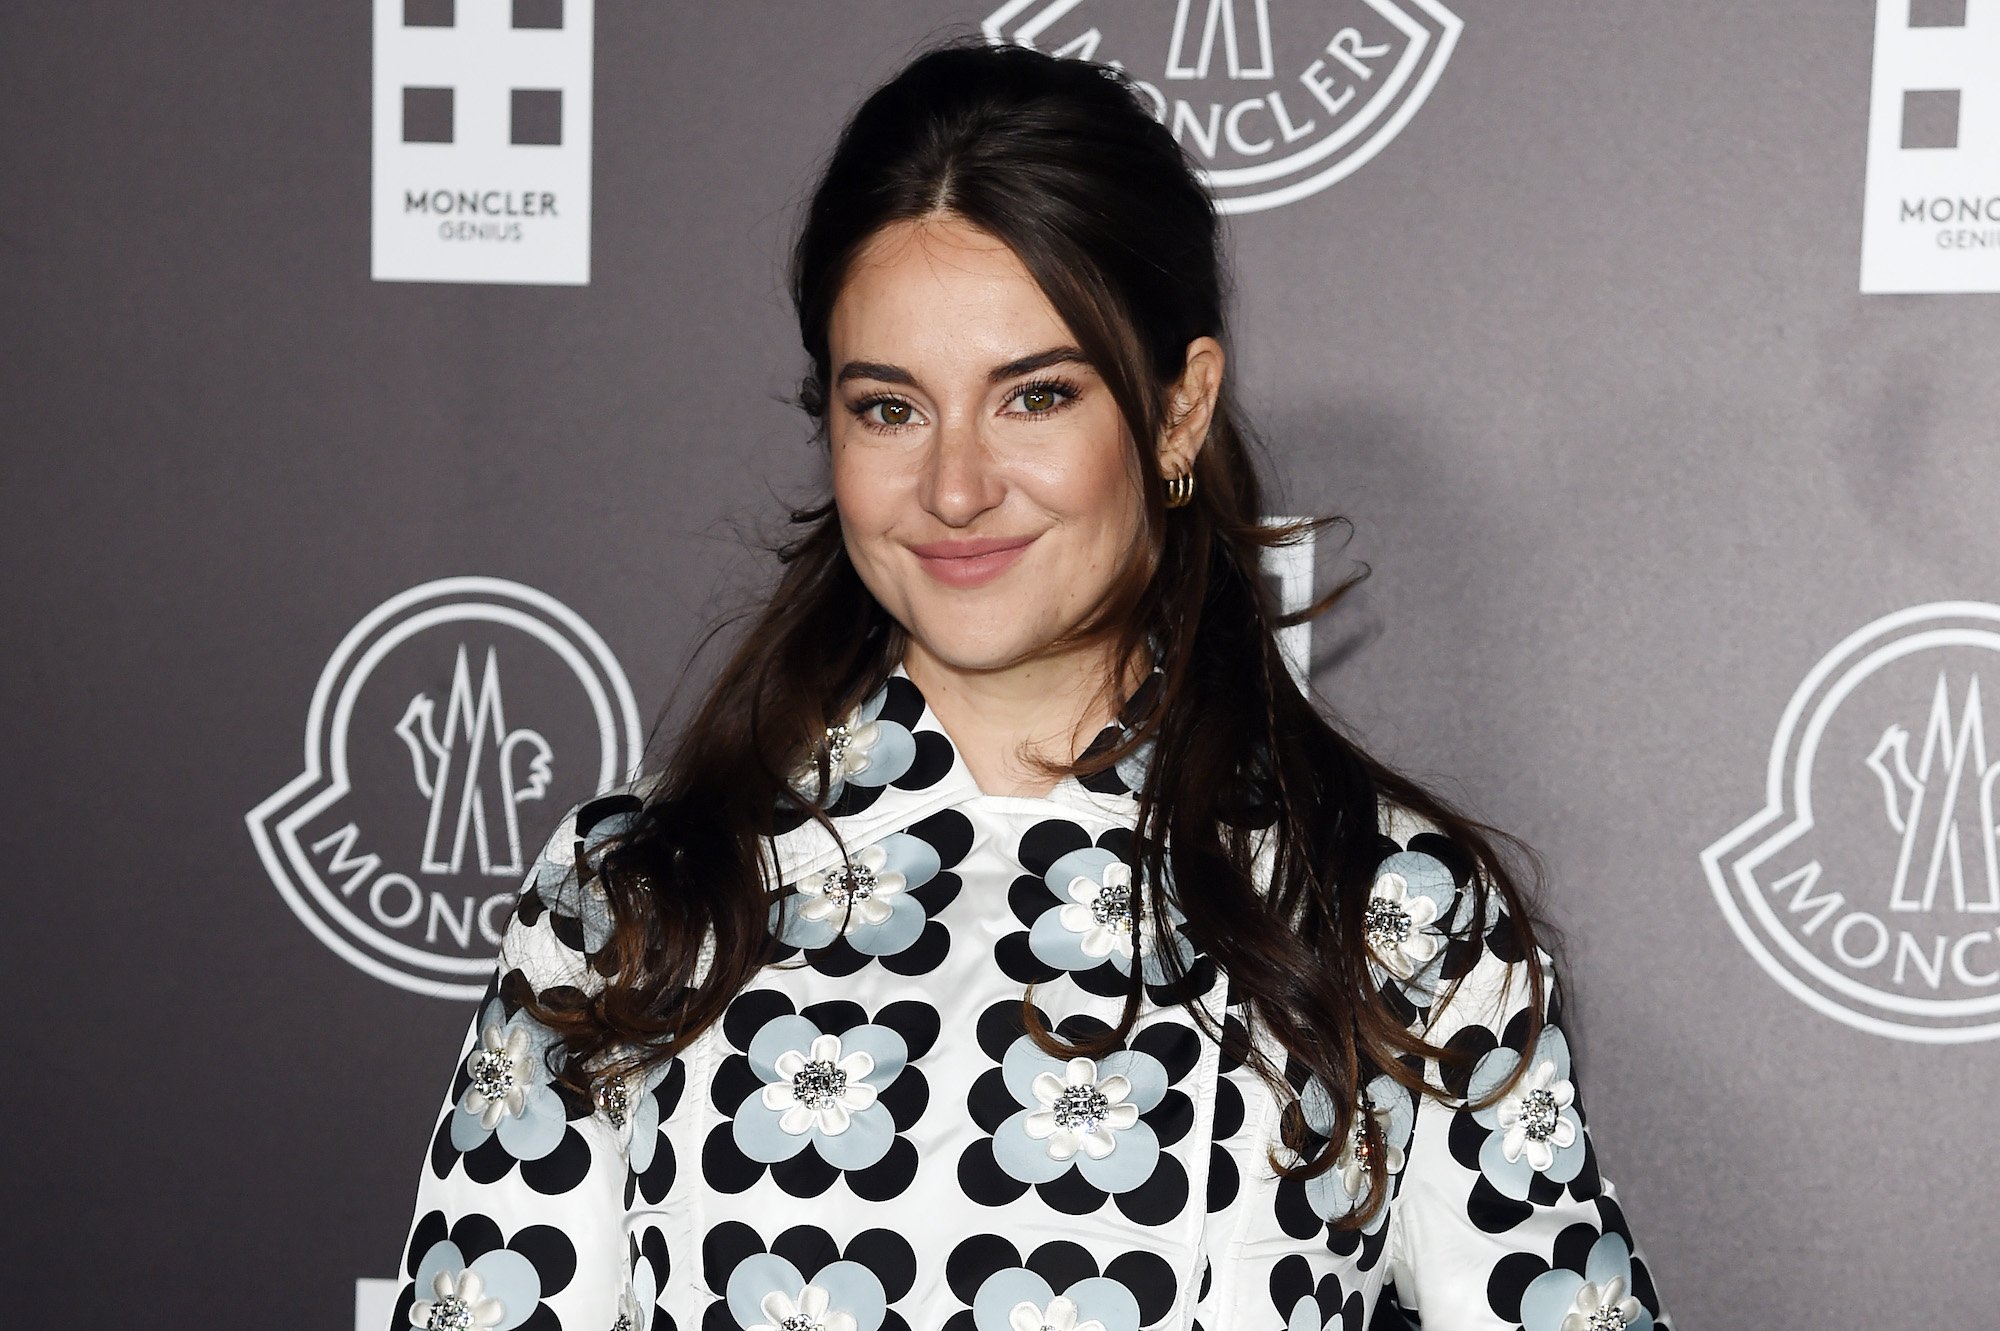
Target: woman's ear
x=1190, y=406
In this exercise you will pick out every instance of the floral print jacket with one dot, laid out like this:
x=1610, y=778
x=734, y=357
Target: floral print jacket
x=869, y=1141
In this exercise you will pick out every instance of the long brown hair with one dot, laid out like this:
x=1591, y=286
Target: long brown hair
x=1060, y=160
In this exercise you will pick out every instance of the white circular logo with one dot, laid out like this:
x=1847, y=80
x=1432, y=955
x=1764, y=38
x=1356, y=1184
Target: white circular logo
x=1869, y=883
x=1272, y=113
x=449, y=730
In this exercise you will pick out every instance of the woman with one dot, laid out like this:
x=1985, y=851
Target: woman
x=1008, y=944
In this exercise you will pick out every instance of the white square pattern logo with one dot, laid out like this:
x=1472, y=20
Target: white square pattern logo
x=482, y=141
x=1931, y=208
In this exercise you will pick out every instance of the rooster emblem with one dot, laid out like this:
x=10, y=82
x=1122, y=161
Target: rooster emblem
x=1943, y=806
x=476, y=773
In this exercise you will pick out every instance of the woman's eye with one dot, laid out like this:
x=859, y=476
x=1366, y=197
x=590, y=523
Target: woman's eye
x=1043, y=396
x=896, y=413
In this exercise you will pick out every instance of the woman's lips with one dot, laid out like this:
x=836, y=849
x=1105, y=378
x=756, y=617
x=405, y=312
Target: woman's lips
x=970, y=563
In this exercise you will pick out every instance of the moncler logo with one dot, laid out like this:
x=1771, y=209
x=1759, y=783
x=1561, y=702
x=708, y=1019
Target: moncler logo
x=451, y=727
x=1274, y=107
x=1869, y=884
x=476, y=774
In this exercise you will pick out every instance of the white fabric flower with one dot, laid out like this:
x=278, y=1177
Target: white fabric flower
x=498, y=1065
x=809, y=1312
x=822, y=1088
x=1537, y=1117
x=1605, y=1307
x=847, y=749
x=1353, y=1159
x=847, y=753
x=457, y=1305
x=1101, y=912
x=1079, y=1111
x=854, y=893
x=1398, y=925
x=631, y=1317
x=1060, y=1315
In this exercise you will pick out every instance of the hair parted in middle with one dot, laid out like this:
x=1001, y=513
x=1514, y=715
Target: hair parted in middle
x=1257, y=812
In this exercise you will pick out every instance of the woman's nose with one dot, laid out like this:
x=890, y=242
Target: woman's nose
x=960, y=479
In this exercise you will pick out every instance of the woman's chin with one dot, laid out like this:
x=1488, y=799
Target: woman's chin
x=977, y=648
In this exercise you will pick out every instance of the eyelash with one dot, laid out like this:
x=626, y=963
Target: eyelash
x=1068, y=391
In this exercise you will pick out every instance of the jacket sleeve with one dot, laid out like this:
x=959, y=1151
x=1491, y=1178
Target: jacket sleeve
x=1502, y=1218
x=522, y=1201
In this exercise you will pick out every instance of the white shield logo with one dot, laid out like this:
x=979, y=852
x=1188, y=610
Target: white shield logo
x=1869, y=884
x=1274, y=106
x=449, y=730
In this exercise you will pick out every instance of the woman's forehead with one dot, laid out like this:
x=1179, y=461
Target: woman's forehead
x=943, y=306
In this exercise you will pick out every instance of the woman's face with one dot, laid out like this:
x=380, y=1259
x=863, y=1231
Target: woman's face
x=987, y=492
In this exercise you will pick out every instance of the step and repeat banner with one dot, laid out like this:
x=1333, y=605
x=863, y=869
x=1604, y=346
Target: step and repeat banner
x=395, y=395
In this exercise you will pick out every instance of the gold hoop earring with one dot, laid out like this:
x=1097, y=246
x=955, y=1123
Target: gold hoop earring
x=1180, y=489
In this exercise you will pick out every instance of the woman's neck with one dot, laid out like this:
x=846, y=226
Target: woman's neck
x=1003, y=722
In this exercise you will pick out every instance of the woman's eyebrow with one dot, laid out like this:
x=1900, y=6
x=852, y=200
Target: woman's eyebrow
x=896, y=374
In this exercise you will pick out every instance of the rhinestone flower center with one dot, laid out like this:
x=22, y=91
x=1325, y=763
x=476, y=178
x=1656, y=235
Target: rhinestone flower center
x=449, y=1313
x=1607, y=1319
x=615, y=1099
x=1388, y=923
x=799, y=1322
x=1538, y=1117
x=838, y=738
x=1112, y=907
x=493, y=1074
x=819, y=1083
x=849, y=884
x=1081, y=1108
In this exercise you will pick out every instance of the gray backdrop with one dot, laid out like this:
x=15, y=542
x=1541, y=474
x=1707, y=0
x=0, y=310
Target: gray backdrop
x=1580, y=351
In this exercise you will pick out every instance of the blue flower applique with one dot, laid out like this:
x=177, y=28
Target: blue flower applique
x=494, y=1292
x=507, y=1112
x=578, y=910
x=1344, y=1187
x=868, y=749
x=1081, y=1131
x=1082, y=908
x=1125, y=777
x=1058, y=1286
x=1601, y=1299
x=467, y=1278
x=1080, y=1114
x=1133, y=769
x=820, y=1090
x=880, y=902
x=818, y=1095
x=767, y=1293
x=1412, y=903
x=1019, y=1300
x=1534, y=1128
x=805, y=1281
x=509, y=1095
x=1083, y=1111
x=1097, y=917
x=865, y=900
